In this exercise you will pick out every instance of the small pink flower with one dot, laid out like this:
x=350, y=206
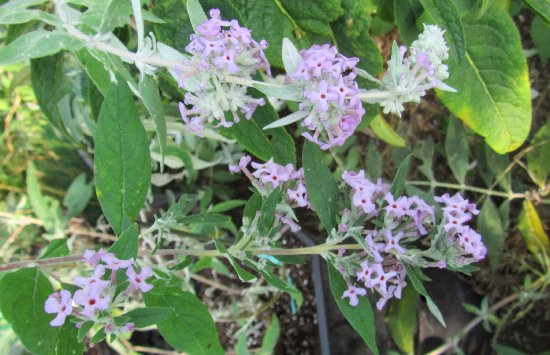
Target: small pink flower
x=113, y=263
x=138, y=280
x=60, y=303
x=90, y=298
x=352, y=292
x=95, y=278
x=243, y=162
x=93, y=257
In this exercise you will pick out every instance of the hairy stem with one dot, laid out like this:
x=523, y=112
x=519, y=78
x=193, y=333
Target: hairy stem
x=318, y=249
x=509, y=195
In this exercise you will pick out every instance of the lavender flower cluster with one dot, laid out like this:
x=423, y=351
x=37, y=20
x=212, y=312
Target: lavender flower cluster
x=97, y=296
x=330, y=101
x=268, y=176
x=400, y=223
x=220, y=48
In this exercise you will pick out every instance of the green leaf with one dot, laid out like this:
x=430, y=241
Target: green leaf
x=285, y=121
x=530, y=226
x=22, y=16
x=361, y=317
x=321, y=187
x=57, y=247
x=122, y=161
x=78, y=195
x=313, y=16
x=373, y=161
x=415, y=276
x=115, y=14
x=252, y=206
x=83, y=330
x=145, y=317
x=196, y=13
x=398, y=184
x=385, y=132
x=538, y=159
x=540, y=31
x=149, y=92
x=271, y=336
x=406, y=14
x=37, y=44
x=243, y=275
x=126, y=245
x=227, y=206
x=22, y=297
x=351, y=32
x=494, y=97
x=491, y=229
x=52, y=88
x=402, y=320
x=541, y=7
x=189, y=326
x=44, y=207
x=456, y=149
x=267, y=212
x=275, y=143
x=284, y=92
x=177, y=29
x=446, y=16
x=95, y=69
x=290, y=55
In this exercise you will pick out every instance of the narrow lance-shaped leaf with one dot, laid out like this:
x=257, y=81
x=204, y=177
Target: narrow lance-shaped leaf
x=321, y=187
x=122, y=161
x=456, y=149
x=196, y=13
x=530, y=226
x=149, y=92
x=492, y=231
x=361, y=317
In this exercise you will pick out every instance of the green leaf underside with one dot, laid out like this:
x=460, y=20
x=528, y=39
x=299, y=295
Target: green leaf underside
x=149, y=92
x=541, y=7
x=189, y=327
x=493, y=85
x=37, y=44
x=361, y=317
x=321, y=187
x=22, y=297
x=122, y=161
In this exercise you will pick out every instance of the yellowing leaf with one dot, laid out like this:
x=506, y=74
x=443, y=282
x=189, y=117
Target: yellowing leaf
x=383, y=130
x=530, y=227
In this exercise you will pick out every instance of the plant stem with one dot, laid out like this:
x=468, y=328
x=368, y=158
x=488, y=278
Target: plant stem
x=508, y=195
x=318, y=249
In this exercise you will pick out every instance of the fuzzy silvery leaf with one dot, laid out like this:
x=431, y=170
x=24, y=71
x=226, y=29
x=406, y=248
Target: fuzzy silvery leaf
x=196, y=13
x=291, y=57
x=285, y=92
x=293, y=117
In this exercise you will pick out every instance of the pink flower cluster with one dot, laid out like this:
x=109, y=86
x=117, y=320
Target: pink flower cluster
x=401, y=221
x=96, y=291
x=220, y=48
x=457, y=212
x=269, y=176
x=330, y=95
x=225, y=45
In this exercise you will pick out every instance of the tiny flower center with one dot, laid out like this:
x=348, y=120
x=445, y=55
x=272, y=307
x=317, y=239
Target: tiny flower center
x=91, y=302
x=138, y=280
